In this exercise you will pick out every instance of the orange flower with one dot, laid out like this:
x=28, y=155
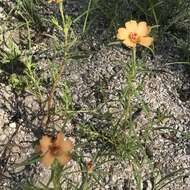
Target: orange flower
x=58, y=148
x=55, y=1
x=135, y=33
x=90, y=167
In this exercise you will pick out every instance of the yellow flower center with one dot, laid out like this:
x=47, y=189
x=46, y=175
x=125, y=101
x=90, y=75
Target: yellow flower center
x=133, y=37
x=55, y=150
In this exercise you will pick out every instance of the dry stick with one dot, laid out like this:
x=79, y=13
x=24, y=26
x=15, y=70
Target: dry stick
x=6, y=146
x=46, y=118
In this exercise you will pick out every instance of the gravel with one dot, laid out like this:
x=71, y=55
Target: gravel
x=163, y=90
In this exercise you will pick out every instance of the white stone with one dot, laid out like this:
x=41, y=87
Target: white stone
x=12, y=125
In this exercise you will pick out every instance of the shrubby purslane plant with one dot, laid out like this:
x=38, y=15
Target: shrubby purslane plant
x=123, y=140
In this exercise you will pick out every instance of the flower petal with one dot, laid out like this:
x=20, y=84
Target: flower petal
x=146, y=41
x=143, y=29
x=129, y=43
x=67, y=146
x=45, y=143
x=122, y=34
x=89, y=166
x=47, y=159
x=59, y=139
x=131, y=26
x=64, y=158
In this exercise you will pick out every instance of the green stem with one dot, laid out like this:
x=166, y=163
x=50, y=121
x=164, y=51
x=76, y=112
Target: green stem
x=30, y=73
x=154, y=12
x=130, y=87
x=64, y=25
x=57, y=178
x=134, y=67
x=61, y=9
x=87, y=14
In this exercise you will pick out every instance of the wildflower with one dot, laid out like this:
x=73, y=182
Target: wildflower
x=135, y=33
x=55, y=1
x=58, y=148
x=89, y=166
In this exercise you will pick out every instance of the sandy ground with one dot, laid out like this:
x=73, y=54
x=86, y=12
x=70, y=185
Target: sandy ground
x=167, y=91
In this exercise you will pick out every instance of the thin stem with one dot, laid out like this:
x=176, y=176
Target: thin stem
x=61, y=9
x=53, y=89
x=131, y=78
x=134, y=67
x=49, y=102
x=87, y=14
x=57, y=177
x=30, y=74
x=154, y=12
x=29, y=37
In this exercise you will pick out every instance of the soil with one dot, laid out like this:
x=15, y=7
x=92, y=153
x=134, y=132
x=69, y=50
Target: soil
x=167, y=90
